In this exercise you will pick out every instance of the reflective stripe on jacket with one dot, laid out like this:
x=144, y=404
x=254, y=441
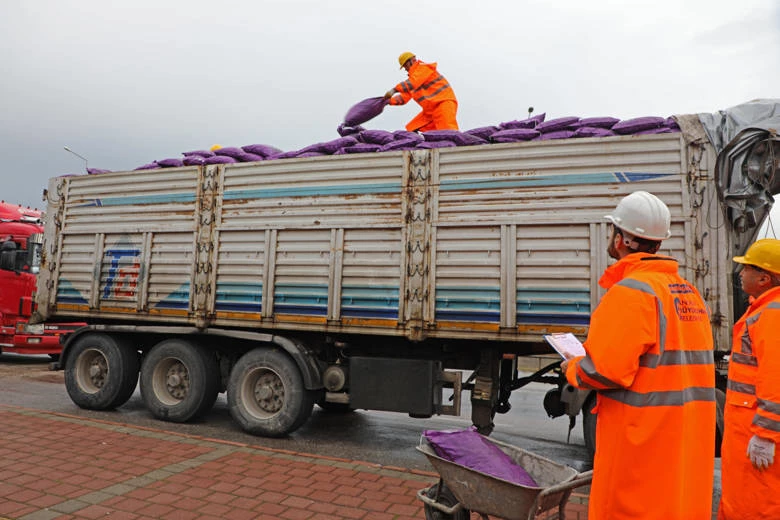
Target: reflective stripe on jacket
x=752, y=408
x=425, y=85
x=649, y=355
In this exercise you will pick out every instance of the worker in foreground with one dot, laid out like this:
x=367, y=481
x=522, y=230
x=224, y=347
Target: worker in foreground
x=750, y=475
x=650, y=358
x=430, y=90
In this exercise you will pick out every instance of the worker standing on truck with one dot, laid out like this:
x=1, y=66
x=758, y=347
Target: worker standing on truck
x=430, y=90
x=750, y=476
x=649, y=356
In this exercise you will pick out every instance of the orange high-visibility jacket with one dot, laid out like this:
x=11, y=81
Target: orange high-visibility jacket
x=433, y=93
x=649, y=355
x=752, y=408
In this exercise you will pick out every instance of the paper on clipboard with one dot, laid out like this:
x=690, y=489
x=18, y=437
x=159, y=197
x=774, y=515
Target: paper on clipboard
x=566, y=344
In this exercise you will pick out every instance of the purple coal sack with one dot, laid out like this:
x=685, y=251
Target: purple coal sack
x=261, y=149
x=470, y=449
x=219, y=159
x=651, y=131
x=231, y=151
x=310, y=154
x=345, y=130
x=193, y=160
x=400, y=144
x=518, y=123
x=630, y=126
x=435, y=144
x=248, y=157
x=405, y=134
x=459, y=138
x=150, y=166
x=560, y=134
x=364, y=111
x=330, y=147
x=592, y=131
x=95, y=171
x=362, y=148
x=380, y=137
x=513, y=135
x=596, y=122
x=483, y=132
x=554, y=125
x=170, y=163
x=198, y=153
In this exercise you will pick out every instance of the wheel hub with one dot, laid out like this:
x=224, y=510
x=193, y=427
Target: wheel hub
x=269, y=393
x=177, y=381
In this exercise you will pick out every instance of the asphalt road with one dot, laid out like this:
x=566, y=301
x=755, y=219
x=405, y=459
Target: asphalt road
x=379, y=437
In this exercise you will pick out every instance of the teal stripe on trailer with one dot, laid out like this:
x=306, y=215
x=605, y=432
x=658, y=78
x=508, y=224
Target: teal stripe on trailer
x=313, y=191
x=533, y=181
x=174, y=198
x=468, y=298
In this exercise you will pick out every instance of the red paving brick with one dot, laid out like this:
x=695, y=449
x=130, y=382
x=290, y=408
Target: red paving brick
x=48, y=459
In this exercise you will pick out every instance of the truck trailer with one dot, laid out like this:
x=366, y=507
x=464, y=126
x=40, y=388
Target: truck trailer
x=381, y=281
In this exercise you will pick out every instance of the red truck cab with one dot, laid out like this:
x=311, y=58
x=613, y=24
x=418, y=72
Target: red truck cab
x=20, y=254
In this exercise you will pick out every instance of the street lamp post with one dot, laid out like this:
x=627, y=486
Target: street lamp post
x=86, y=163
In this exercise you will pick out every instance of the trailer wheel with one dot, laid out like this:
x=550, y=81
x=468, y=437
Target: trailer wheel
x=266, y=394
x=446, y=499
x=101, y=372
x=179, y=380
x=589, y=424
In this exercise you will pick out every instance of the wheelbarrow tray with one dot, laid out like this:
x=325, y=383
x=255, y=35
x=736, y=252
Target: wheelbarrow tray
x=489, y=495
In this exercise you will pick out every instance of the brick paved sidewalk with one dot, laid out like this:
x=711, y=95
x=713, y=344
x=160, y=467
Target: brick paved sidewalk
x=55, y=466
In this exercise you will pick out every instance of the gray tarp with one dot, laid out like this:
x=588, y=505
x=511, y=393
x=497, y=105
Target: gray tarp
x=747, y=169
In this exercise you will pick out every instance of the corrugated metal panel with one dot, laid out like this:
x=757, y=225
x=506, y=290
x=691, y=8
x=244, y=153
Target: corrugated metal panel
x=132, y=202
x=76, y=273
x=302, y=273
x=371, y=273
x=170, y=272
x=468, y=274
x=352, y=191
x=547, y=181
x=240, y=264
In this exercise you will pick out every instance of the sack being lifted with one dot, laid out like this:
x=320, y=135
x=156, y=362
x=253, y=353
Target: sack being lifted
x=365, y=111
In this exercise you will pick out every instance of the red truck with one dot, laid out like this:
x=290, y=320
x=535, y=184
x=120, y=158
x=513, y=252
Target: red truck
x=20, y=257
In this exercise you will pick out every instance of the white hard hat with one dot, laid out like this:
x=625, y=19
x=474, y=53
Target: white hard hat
x=643, y=215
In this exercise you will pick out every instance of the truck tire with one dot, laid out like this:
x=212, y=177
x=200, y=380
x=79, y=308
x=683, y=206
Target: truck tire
x=589, y=424
x=179, y=380
x=101, y=371
x=266, y=395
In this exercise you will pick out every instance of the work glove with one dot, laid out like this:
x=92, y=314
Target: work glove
x=761, y=452
x=389, y=94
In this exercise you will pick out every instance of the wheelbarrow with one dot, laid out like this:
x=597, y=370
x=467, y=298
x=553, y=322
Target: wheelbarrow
x=488, y=495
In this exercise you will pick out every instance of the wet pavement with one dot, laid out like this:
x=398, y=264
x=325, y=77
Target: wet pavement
x=61, y=466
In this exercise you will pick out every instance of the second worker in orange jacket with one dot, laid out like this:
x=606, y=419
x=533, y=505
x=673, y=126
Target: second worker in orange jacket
x=430, y=90
x=649, y=357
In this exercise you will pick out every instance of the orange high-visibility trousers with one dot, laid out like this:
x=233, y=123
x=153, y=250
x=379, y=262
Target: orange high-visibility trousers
x=442, y=117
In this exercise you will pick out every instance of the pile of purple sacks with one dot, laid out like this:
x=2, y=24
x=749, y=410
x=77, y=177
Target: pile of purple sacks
x=356, y=139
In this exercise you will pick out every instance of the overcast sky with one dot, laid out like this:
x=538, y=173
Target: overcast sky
x=127, y=83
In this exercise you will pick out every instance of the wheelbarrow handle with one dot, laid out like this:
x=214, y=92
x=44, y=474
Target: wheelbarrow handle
x=581, y=479
x=431, y=502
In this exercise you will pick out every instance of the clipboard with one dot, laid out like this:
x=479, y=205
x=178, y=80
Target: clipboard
x=566, y=344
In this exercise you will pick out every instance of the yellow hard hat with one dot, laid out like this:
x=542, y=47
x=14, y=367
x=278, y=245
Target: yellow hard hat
x=404, y=57
x=764, y=253
x=215, y=147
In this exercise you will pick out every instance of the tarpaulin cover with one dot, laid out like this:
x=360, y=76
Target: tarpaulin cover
x=470, y=449
x=365, y=111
